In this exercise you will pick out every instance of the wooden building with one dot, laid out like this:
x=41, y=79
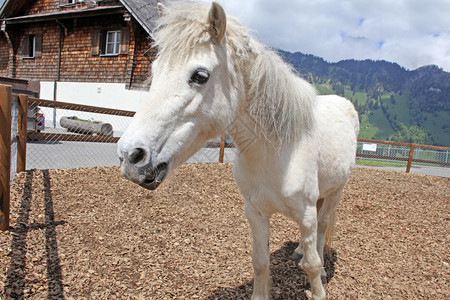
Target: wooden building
x=78, y=41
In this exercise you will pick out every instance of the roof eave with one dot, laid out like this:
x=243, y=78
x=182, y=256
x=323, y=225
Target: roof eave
x=8, y=5
x=136, y=17
x=70, y=14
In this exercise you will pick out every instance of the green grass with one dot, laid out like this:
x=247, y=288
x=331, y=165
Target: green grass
x=379, y=163
x=348, y=94
x=374, y=125
x=87, y=121
x=367, y=129
x=359, y=98
x=439, y=126
x=324, y=89
x=400, y=109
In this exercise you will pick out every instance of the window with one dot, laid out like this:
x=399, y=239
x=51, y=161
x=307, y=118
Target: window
x=31, y=46
x=112, y=42
x=89, y=3
x=68, y=2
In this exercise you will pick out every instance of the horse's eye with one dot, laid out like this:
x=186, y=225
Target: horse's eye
x=200, y=76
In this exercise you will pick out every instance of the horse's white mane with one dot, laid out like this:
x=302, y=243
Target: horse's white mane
x=280, y=102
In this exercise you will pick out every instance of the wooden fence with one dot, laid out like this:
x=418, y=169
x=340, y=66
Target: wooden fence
x=23, y=135
x=409, y=159
x=5, y=154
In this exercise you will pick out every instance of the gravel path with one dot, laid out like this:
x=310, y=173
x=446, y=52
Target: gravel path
x=90, y=234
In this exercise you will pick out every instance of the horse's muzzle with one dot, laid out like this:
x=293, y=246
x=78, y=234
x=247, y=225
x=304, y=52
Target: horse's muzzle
x=155, y=177
x=147, y=176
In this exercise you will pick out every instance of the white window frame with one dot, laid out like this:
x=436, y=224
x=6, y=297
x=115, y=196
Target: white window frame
x=115, y=42
x=72, y=2
x=68, y=2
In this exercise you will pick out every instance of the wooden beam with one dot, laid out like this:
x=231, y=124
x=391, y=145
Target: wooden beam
x=5, y=155
x=79, y=107
x=411, y=154
x=222, y=147
x=39, y=136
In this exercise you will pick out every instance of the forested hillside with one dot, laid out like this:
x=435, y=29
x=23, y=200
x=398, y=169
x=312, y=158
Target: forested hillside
x=393, y=103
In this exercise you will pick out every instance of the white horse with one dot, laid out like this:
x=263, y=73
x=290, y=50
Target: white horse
x=295, y=148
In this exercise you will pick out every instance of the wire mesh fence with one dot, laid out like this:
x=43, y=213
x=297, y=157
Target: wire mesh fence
x=64, y=135
x=41, y=134
x=407, y=157
x=72, y=136
x=14, y=133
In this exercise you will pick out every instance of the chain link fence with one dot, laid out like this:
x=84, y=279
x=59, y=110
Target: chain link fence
x=14, y=133
x=64, y=135
x=424, y=159
x=72, y=136
x=397, y=155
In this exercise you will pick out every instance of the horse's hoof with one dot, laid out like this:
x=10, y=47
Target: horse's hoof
x=310, y=296
x=323, y=276
x=296, y=255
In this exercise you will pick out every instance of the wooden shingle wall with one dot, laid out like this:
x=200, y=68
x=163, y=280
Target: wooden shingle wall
x=45, y=67
x=144, y=55
x=42, y=6
x=48, y=6
x=77, y=64
x=4, y=55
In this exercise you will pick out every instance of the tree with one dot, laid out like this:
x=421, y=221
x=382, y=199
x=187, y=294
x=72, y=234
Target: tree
x=413, y=134
x=393, y=99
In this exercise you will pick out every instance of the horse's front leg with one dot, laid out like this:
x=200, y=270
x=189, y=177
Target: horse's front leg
x=260, y=257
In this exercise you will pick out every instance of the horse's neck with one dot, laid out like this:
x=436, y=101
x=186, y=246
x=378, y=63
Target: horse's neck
x=279, y=101
x=249, y=139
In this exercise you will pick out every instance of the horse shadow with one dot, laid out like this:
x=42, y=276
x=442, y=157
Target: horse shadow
x=288, y=280
x=16, y=282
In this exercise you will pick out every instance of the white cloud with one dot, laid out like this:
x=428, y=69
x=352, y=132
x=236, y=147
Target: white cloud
x=412, y=33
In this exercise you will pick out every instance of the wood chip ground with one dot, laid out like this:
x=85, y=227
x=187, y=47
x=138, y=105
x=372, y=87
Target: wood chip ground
x=90, y=234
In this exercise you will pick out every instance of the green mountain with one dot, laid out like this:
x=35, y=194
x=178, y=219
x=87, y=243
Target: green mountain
x=393, y=103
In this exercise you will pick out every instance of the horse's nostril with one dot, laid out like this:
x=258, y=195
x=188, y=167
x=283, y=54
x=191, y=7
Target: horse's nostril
x=136, y=156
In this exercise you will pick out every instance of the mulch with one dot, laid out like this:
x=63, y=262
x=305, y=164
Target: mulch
x=91, y=234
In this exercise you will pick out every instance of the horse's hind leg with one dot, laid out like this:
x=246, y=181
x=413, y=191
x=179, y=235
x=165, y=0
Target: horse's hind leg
x=306, y=217
x=298, y=252
x=260, y=256
x=325, y=225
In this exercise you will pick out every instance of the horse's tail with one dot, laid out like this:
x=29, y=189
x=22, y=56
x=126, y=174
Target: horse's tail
x=330, y=232
x=330, y=228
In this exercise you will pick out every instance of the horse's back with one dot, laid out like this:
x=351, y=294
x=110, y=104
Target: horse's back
x=338, y=128
x=336, y=109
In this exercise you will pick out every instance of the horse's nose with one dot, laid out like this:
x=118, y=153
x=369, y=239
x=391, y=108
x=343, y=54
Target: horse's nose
x=136, y=155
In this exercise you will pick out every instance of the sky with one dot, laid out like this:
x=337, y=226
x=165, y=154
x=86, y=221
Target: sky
x=412, y=33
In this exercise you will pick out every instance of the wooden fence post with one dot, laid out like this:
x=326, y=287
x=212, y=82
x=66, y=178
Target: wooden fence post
x=5, y=154
x=222, y=147
x=411, y=154
x=22, y=139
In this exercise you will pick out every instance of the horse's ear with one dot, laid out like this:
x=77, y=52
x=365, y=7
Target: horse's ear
x=161, y=9
x=217, y=21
